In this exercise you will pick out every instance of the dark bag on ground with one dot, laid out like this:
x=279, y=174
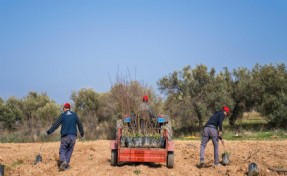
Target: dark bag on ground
x=38, y=159
x=1, y=170
x=252, y=169
x=225, y=159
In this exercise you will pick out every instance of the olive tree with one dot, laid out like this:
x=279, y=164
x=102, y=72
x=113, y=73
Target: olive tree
x=38, y=109
x=196, y=92
x=86, y=102
x=7, y=117
x=271, y=81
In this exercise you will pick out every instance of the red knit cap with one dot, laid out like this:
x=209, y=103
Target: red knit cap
x=145, y=98
x=226, y=109
x=67, y=105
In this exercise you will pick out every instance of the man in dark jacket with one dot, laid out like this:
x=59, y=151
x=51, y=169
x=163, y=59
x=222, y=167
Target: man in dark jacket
x=213, y=130
x=69, y=122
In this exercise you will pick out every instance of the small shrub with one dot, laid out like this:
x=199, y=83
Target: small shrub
x=17, y=163
x=137, y=172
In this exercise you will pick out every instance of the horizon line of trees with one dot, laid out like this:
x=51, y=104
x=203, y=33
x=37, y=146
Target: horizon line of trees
x=191, y=96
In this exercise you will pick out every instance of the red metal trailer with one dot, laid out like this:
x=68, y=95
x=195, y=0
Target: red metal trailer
x=157, y=155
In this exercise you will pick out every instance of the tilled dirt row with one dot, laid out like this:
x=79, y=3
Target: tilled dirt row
x=93, y=158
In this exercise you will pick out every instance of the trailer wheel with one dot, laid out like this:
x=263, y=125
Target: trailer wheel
x=114, y=158
x=170, y=160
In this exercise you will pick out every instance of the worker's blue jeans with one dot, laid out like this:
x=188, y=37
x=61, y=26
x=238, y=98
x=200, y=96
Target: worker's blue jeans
x=209, y=133
x=67, y=147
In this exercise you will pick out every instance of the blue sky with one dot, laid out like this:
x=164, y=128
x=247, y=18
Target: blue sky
x=62, y=46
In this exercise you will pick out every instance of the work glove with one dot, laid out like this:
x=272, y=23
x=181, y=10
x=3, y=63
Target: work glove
x=44, y=133
x=220, y=135
x=82, y=138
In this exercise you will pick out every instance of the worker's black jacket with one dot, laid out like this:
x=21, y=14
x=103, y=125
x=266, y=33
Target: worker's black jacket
x=216, y=120
x=68, y=121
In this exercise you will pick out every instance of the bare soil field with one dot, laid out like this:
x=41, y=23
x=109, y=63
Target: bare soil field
x=92, y=158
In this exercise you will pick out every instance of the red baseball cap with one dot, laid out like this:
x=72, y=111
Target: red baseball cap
x=226, y=109
x=67, y=105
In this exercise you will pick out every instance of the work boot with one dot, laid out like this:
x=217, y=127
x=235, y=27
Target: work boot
x=201, y=164
x=63, y=166
x=218, y=164
x=68, y=167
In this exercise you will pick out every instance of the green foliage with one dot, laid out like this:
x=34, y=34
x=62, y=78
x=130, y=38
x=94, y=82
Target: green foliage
x=38, y=109
x=7, y=117
x=225, y=153
x=47, y=113
x=272, y=90
x=86, y=106
x=17, y=163
x=10, y=112
x=27, y=115
x=16, y=106
x=127, y=97
x=24, y=136
x=195, y=93
x=107, y=109
x=137, y=172
x=256, y=135
x=86, y=101
x=242, y=93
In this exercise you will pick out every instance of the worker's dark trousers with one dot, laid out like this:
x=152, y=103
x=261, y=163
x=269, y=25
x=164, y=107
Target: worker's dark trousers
x=67, y=147
x=209, y=133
